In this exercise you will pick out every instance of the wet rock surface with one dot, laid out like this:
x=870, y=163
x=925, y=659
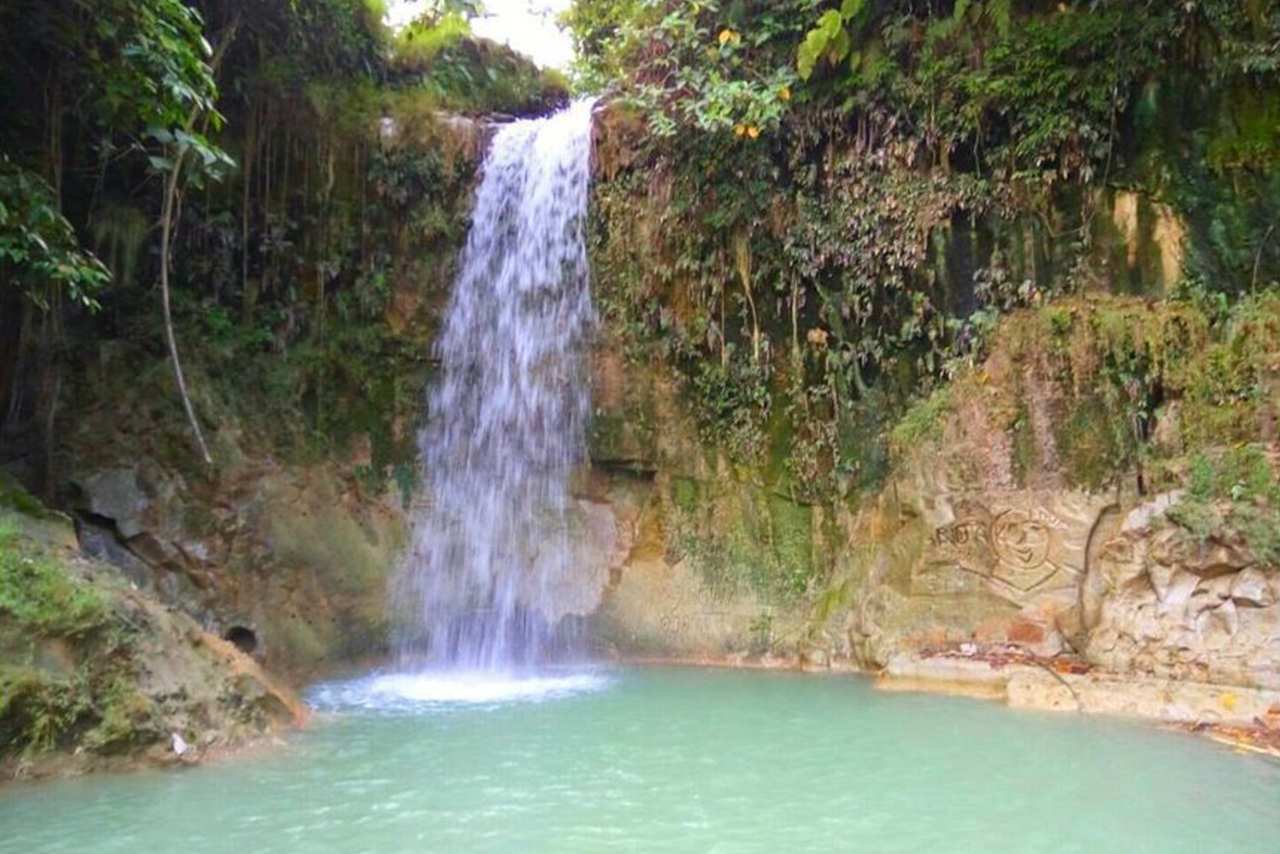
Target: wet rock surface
x=97, y=674
x=298, y=552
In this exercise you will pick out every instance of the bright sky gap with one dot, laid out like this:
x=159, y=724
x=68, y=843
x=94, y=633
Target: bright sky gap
x=528, y=26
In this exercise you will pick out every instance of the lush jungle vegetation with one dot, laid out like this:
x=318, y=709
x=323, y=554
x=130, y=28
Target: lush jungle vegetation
x=818, y=211
x=219, y=186
x=826, y=207
x=227, y=227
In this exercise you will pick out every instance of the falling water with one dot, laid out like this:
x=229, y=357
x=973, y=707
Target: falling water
x=506, y=422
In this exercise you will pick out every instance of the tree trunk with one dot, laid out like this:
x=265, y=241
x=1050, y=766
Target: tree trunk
x=166, y=235
x=246, y=181
x=167, y=215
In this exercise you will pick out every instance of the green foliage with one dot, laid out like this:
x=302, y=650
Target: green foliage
x=1012, y=88
x=38, y=593
x=39, y=252
x=831, y=39
x=1228, y=384
x=733, y=404
x=1242, y=474
x=1019, y=88
x=44, y=604
x=1152, y=389
x=14, y=497
x=437, y=54
x=1123, y=361
x=472, y=75
x=807, y=310
x=37, y=711
x=744, y=540
x=332, y=39
x=596, y=29
x=941, y=167
x=923, y=422
x=422, y=40
x=125, y=717
x=1233, y=492
x=695, y=65
x=152, y=66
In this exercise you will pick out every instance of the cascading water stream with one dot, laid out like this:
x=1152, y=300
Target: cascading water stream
x=506, y=422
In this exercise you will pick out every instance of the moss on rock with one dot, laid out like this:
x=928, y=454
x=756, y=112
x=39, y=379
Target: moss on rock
x=93, y=671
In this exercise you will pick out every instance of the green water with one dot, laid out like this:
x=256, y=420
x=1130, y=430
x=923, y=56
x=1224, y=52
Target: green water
x=675, y=760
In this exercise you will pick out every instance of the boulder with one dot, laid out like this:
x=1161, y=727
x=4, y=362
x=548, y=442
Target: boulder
x=116, y=494
x=1250, y=589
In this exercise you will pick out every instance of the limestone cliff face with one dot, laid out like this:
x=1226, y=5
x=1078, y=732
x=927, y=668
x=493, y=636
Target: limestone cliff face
x=291, y=561
x=716, y=562
x=987, y=542
x=1051, y=511
x=1104, y=578
x=1159, y=602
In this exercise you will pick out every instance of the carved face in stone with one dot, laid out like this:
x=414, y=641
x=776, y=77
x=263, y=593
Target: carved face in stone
x=1012, y=549
x=1021, y=545
x=1020, y=541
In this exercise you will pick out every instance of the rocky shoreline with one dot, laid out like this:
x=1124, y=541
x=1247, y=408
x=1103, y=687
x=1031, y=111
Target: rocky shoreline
x=1245, y=720
x=98, y=674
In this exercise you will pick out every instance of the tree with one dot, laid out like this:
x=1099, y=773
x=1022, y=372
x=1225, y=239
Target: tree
x=38, y=246
x=132, y=77
x=165, y=85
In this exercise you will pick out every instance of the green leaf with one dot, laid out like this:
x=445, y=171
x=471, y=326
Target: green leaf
x=810, y=49
x=819, y=41
x=839, y=47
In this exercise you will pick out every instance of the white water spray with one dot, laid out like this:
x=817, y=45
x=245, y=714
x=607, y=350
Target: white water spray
x=506, y=422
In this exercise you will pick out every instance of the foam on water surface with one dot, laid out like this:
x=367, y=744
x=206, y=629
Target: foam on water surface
x=410, y=692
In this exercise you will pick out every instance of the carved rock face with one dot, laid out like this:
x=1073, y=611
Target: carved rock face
x=1021, y=545
x=997, y=567
x=1133, y=592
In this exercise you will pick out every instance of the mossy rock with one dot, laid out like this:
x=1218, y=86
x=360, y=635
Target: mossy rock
x=38, y=712
x=14, y=497
x=1088, y=444
x=686, y=494
x=792, y=544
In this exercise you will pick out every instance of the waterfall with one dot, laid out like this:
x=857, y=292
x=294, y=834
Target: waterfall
x=506, y=421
